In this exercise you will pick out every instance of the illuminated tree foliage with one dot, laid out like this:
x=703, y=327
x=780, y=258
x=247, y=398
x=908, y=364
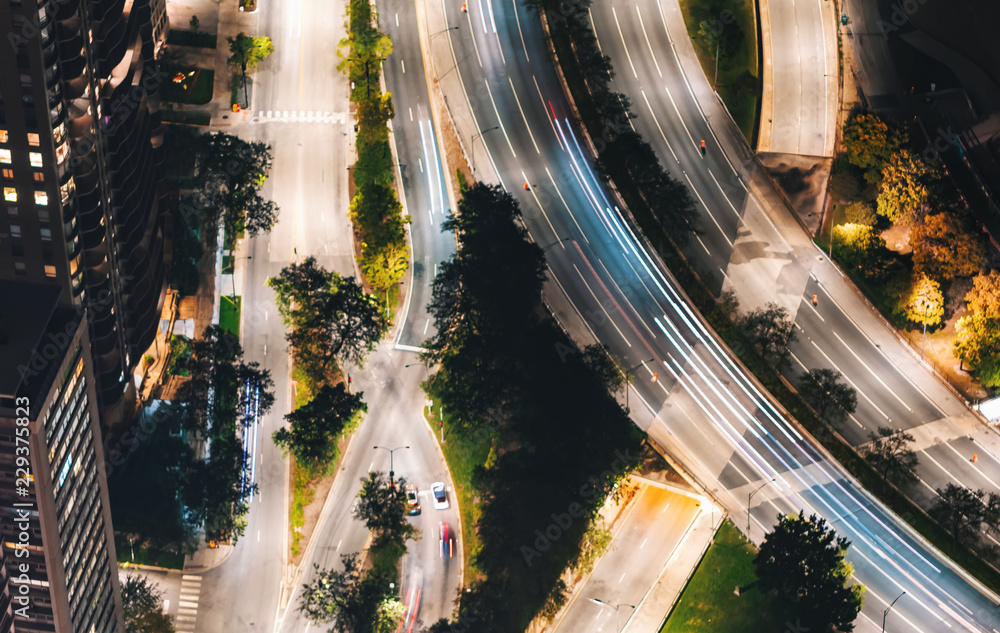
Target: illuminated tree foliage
x=977, y=345
x=861, y=212
x=945, y=247
x=984, y=298
x=870, y=143
x=858, y=245
x=925, y=304
x=903, y=192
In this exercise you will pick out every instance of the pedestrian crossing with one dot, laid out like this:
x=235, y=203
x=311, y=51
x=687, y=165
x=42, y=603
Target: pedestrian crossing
x=187, y=604
x=299, y=116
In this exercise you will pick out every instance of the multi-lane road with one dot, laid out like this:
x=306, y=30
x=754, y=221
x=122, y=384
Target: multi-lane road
x=607, y=286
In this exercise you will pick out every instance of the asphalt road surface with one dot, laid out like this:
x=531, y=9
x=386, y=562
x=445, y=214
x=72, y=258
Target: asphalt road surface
x=700, y=406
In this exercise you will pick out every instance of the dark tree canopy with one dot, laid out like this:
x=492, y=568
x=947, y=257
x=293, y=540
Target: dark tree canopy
x=230, y=173
x=827, y=395
x=143, y=606
x=383, y=508
x=770, y=331
x=348, y=598
x=962, y=511
x=802, y=560
x=313, y=429
x=889, y=454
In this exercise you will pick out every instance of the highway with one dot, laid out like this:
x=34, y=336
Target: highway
x=606, y=286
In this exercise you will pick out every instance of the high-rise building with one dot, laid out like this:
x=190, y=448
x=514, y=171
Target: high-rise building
x=59, y=570
x=80, y=169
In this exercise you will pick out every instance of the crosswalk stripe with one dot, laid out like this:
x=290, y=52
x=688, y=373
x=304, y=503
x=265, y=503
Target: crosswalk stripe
x=185, y=618
x=187, y=611
x=190, y=577
x=192, y=605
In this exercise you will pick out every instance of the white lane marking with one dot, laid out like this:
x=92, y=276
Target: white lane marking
x=411, y=113
x=420, y=163
x=735, y=212
x=493, y=23
x=680, y=118
x=427, y=323
x=644, y=34
x=621, y=35
x=559, y=193
x=601, y=306
x=657, y=122
x=402, y=63
x=547, y=115
x=265, y=349
x=872, y=371
x=849, y=381
x=813, y=308
x=622, y=578
x=528, y=127
x=339, y=543
x=974, y=467
x=475, y=44
x=483, y=15
x=497, y=112
x=518, y=19
x=698, y=237
x=503, y=58
x=710, y=214
x=625, y=296
x=258, y=536
x=532, y=190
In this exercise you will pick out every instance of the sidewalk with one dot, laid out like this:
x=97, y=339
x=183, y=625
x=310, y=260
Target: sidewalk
x=206, y=558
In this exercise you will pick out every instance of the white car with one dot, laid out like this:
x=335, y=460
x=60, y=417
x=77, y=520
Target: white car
x=440, y=496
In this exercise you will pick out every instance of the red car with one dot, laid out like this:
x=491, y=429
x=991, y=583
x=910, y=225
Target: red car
x=446, y=542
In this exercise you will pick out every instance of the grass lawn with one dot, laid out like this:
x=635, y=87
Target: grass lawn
x=709, y=603
x=738, y=80
x=146, y=556
x=229, y=314
x=195, y=88
x=186, y=118
x=191, y=38
x=462, y=456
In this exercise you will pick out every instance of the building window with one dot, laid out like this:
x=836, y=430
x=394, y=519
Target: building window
x=43, y=216
x=35, y=158
x=12, y=211
x=39, y=176
x=3, y=136
x=20, y=268
x=8, y=174
x=17, y=249
x=5, y=156
x=15, y=230
x=50, y=271
x=46, y=234
x=33, y=139
x=41, y=198
x=10, y=194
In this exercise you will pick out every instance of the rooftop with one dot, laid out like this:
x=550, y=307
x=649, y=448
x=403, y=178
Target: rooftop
x=28, y=311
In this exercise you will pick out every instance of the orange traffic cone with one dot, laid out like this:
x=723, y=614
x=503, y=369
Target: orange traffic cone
x=814, y=299
x=975, y=456
x=526, y=187
x=465, y=8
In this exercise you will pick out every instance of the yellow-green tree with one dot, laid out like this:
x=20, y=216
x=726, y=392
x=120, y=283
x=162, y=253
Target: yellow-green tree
x=984, y=298
x=903, y=192
x=925, y=304
x=977, y=345
x=870, y=143
x=945, y=247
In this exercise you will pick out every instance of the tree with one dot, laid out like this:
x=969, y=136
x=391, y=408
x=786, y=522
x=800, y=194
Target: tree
x=945, y=247
x=194, y=24
x=300, y=289
x=889, y=454
x=142, y=602
x=861, y=212
x=607, y=368
x=247, y=52
x=977, y=344
x=824, y=392
x=317, y=425
x=984, y=298
x=354, y=603
x=802, y=560
x=962, y=511
x=230, y=173
x=383, y=509
x=903, y=192
x=363, y=50
x=925, y=304
x=860, y=246
x=770, y=331
x=870, y=143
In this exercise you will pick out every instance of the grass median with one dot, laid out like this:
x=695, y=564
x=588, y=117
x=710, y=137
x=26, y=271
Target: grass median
x=721, y=596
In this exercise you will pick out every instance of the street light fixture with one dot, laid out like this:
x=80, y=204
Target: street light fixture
x=391, y=451
x=614, y=606
x=628, y=372
x=473, y=144
x=887, y=609
x=233, y=274
x=750, y=499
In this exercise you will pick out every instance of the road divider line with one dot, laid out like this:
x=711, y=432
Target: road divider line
x=872, y=372
x=625, y=296
x=849, y=381
x=725, y=197
x=621, y=35
x=547, y=117
x=657, y=122
x=528, y=127
x=652, y=54
x=565, y=204
x=518, y=19
x=500, y=120
x=710, y=214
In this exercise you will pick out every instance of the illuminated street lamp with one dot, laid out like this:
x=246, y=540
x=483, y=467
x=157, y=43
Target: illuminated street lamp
x=391, y=451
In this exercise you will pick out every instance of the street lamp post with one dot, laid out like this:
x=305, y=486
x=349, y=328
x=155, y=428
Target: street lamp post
x=750, y=499
x=433, y=35
x=629, y=372
x=613, y=606
x=233, y=274
x=472, y=144
x=391, y=451
x=887, y=609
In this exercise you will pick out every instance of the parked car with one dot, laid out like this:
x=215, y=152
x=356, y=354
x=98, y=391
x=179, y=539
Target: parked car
x=440, y=496
x=412, y=501
x=446, y=543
